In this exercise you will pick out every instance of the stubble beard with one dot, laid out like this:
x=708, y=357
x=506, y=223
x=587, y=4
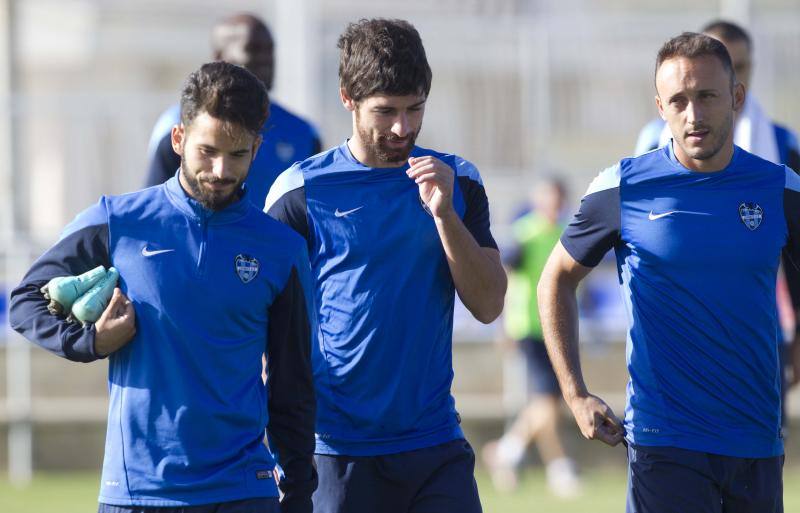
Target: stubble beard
x=209, y=199
x=378, y=150
x=718, y=135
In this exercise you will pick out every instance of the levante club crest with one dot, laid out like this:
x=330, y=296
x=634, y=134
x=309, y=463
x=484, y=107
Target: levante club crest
x=246, y=267
x=751, y=215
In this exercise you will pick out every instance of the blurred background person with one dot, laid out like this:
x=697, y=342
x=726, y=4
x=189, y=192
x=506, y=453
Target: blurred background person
x=244, y=40
x=535, y=234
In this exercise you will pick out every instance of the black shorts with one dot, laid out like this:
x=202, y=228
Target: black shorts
x=541, y=377
x=672, y=480
x=437, y=479
x=257, y=505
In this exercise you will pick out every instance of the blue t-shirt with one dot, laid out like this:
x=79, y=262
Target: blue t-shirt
x=287, y=139
x=383, y=365
x=697, y=256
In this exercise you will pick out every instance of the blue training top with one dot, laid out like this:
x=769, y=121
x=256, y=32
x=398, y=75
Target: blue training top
x=287, y=138
x=212, y=292
x=383, y=366
x=697, y=256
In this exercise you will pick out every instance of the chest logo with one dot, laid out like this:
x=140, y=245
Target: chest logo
x=246, y=267
x=339, y=213
x=146, y=252
x=284, y=151
x=751, y=215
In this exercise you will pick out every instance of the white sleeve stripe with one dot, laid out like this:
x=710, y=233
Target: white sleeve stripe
x=609, y=178
x=792, y=180
x=287, y=181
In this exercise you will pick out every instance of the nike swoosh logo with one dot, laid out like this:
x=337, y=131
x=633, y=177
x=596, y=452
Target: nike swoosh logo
x=651, y=216
x=150, y=252
x=338, y=213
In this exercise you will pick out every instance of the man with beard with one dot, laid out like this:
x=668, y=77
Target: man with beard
x=393, y=231
x=209, y=284
x=698, y=227
x=244, y=40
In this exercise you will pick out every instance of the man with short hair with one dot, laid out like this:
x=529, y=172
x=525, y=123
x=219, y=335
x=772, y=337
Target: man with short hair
x=393, y=231
x=244, y=40
x=755, y=132
x=208, y=285
x=698, y=228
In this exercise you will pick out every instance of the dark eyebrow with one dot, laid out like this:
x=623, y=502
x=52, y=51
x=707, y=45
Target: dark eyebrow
x=418, y=104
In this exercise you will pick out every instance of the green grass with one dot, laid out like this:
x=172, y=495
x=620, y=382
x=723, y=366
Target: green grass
x=604, y=492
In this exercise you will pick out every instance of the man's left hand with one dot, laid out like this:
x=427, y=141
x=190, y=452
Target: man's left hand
x=435, y=181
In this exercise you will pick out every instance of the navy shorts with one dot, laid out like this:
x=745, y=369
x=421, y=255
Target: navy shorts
x=257, y=505
x=437, y=479
x=541, y=377
x=671, y=480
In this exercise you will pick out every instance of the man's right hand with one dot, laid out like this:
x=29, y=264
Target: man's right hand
x=116, y=327
x=596, y=420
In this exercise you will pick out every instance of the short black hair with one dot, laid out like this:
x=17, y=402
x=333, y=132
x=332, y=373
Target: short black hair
x=226, y=92
x=692, y=45
x=728, y=31
x=381, y=56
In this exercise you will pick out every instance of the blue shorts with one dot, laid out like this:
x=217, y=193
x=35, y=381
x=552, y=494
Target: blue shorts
x=541, y=377
x=437, y=479
x=257, y=505
x=671, y=480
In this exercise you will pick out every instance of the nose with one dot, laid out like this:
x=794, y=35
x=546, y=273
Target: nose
x=220, y=168
x=694, y=113
x=400, y=127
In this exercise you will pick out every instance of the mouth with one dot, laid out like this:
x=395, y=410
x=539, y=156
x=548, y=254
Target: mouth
x=219, y=186
x=698, y=135
x=397, y=142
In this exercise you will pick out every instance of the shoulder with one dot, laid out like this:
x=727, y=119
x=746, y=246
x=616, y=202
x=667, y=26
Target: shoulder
x=649, y=136
x=608, y=179
x=462, y=167
x=294, y=178
x=285, y=119
x=785, y=137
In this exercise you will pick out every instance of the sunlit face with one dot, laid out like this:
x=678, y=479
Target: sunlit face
x=385, y=128
x=696, y=100
x=215, y=159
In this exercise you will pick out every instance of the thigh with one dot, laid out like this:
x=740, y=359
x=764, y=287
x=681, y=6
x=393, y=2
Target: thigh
x=670, y=480
x=356, y=485
x=755, y=487
x=450, y=484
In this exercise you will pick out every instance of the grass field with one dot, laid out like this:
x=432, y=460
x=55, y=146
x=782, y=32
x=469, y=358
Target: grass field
x=604, y=493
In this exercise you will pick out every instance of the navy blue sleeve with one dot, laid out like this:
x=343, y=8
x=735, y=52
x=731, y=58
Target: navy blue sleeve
x=83, y=246
x=164, y=163
x=290, y=209
x=596, y=226
x=291, y=399
x=476, y=216
x=791, y=251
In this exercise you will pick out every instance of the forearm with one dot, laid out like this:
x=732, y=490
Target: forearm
x=558, y=311
x=479, y=279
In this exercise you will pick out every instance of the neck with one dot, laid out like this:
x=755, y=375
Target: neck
x=718, y=162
